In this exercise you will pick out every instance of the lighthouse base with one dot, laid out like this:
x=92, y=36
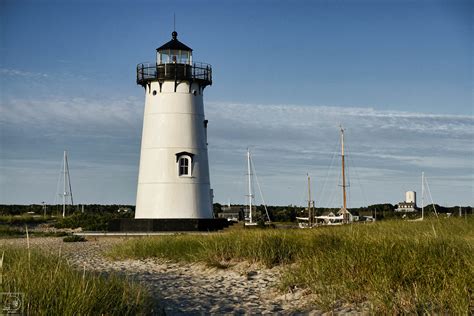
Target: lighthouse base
x=167, y=225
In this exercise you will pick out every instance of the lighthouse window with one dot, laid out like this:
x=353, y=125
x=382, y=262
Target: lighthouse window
x=184, y=166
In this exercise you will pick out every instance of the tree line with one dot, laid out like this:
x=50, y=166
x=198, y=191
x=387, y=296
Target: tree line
x=379, y=211
x=286, y=213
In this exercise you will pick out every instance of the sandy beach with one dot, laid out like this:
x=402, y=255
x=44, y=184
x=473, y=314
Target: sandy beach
x=184, y=288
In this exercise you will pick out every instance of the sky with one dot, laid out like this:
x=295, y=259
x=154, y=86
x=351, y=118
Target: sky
x=397, y=75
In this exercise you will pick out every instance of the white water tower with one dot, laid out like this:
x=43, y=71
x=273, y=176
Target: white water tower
x=410, y=197
x=173, y=180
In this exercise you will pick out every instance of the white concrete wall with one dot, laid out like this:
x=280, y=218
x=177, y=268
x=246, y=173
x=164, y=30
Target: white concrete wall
x=173, y=122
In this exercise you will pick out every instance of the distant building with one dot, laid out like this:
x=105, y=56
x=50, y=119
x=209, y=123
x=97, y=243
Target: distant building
x=409, y=205
x=329, y=218
x=123, y=210
x=369, y=218
x=233, y=213
x=349, y=217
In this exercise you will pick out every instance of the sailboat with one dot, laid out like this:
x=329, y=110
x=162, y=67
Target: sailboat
x=66, y=193
x=423, y=182
x=250, y=212
x=308, y=222
x=346, y=216
x=343, y=216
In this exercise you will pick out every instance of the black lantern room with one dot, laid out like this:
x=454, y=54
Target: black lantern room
x=174, y=61
x=174, y=52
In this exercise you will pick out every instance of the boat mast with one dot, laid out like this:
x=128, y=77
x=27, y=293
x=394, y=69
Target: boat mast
x=249, y=174
x=422, y=193
x=310, y=205
x=66, y=184
x=344, y=207
x=69, y=180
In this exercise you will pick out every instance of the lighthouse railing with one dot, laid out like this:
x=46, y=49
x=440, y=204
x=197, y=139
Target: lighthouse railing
x=200, y=72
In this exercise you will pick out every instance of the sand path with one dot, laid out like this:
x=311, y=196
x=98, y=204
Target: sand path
x=179, y=288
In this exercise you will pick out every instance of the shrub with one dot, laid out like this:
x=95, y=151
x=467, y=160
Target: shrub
x=87, y=221
x=10, y=231
x=22, y=220
x=74, y=238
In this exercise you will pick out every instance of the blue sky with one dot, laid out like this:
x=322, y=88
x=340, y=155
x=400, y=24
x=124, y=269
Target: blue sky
x=397, y=74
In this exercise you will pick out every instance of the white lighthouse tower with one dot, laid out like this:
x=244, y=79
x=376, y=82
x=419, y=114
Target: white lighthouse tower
x=173, y=181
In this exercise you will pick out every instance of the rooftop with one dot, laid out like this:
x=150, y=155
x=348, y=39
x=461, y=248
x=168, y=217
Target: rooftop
x=174, y=44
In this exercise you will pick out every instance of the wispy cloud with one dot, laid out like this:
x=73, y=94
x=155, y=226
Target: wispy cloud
x=401, y=136
x=386, y=149
x=389, y=148
x=21, y=73
x=62, y=113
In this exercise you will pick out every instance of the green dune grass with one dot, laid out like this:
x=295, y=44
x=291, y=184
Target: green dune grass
x=396, y=266
x=50, y=286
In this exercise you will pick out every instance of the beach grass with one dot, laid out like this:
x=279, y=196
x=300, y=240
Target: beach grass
x=50, y=286
x=23, y=219
x=14, y=231
x=396, y=266
x=399, y=267
x=9, y=231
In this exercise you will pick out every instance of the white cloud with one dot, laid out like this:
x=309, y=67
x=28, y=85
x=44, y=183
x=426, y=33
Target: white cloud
x=388, y=148
x=22, y=73
x=401, y=136
x=63, y=113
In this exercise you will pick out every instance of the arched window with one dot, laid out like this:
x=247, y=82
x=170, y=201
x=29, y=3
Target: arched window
x=184, y=166
x=184, y=162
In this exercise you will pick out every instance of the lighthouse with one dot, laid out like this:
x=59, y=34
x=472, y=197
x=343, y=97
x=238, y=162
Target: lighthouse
x=173, y=179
